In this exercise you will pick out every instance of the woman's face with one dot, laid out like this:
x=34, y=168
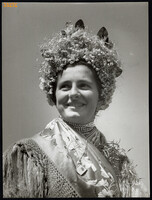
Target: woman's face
x=77, y=94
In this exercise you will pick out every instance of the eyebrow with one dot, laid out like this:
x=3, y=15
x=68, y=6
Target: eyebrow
x=86, y=81
x=61, y=82
x=81, y=80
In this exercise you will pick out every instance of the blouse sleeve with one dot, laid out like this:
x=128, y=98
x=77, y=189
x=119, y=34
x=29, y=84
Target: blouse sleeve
x=22, y=173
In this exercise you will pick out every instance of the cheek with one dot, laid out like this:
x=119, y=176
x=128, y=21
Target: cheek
x=94, y=94
x=94, y=100
x=59, y=101
x=60, y=97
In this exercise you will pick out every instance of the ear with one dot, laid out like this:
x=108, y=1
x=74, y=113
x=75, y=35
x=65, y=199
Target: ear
x=103, y=34
x=79, y=24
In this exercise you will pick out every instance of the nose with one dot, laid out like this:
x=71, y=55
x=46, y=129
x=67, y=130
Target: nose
x=74, y=92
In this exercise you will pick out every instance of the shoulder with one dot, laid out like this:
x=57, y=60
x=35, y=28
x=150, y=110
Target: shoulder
x=23, y=161
x=129, y=181
x=22, y=145
x=23, y=148
x=117, y=156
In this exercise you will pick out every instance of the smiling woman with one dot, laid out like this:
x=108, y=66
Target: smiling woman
x=71, y=157
x=77, y=94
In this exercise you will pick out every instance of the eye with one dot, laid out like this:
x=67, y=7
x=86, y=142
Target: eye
x=84, y=86
x=65, y=87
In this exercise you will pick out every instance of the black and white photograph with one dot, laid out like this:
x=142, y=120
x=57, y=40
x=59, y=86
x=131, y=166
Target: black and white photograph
x=75, y=101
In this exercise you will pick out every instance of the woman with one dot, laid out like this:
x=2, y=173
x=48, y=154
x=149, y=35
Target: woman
x=71, y=157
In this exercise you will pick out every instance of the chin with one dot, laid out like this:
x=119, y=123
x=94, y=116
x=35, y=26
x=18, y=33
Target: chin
x=73, y=117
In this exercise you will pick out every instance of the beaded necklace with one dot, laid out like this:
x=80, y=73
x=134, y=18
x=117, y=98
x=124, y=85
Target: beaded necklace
x=85, y=130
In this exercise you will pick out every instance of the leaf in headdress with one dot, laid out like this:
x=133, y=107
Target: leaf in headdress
x=118, y=72
x=109, y=44
x=103, y=34
x=79, y=24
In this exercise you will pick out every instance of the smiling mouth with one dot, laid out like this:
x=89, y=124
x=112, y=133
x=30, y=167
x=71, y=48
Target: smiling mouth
x=75, y=105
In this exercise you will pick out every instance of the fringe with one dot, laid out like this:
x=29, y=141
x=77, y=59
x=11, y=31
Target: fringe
x=22, y=175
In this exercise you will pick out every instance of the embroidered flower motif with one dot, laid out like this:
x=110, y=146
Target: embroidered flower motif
x=53, y=142
x=87, y=163
x=103, y=182
x=105, y=193
x=92, y=182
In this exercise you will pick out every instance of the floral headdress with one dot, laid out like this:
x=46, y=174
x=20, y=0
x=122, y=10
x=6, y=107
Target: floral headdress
x=74, y=44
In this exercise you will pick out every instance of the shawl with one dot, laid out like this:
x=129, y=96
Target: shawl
x=41, y=167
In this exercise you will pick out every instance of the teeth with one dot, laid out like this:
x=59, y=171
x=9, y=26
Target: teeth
x=75, y=105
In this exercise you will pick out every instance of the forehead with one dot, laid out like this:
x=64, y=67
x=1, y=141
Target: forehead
x=77, y=72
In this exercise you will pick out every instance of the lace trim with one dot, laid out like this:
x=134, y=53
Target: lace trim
x=60, y=186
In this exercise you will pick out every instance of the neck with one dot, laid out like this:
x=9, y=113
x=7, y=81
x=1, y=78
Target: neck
x=83, y=129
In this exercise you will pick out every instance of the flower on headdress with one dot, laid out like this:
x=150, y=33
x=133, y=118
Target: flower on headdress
x=41, y=85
